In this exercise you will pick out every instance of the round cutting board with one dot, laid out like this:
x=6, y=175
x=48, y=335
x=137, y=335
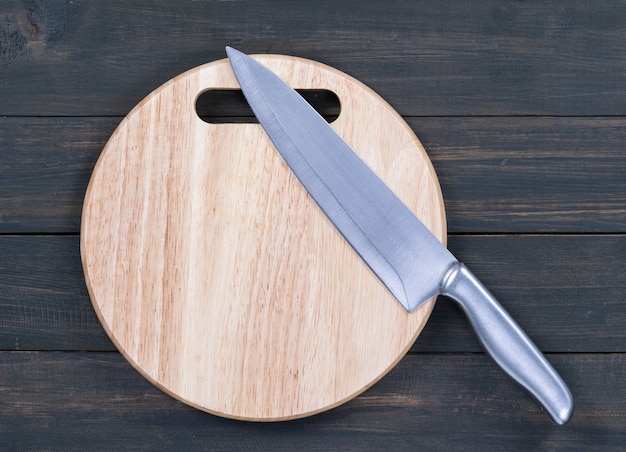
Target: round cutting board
x=218, y=277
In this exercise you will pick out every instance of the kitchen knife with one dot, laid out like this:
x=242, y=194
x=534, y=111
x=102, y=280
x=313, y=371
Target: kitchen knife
x=399, y=249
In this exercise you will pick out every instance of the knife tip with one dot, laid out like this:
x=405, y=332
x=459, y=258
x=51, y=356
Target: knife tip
x=231, y=52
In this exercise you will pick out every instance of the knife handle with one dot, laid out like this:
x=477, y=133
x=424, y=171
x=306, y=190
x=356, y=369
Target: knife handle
x=508, y=345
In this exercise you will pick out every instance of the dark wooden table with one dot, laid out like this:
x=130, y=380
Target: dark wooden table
x=522, y=109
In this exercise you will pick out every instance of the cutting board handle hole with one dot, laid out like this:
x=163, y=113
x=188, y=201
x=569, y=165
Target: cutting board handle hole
x=229, y=106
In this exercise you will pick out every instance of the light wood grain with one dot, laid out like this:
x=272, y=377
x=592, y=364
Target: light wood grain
x=215, y=273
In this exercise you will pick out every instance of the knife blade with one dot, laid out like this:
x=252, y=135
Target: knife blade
x=395, y=244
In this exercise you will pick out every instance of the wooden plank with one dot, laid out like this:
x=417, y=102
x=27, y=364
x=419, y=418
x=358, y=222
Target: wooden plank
x=43, y=298
x=44, y=170
x=432, y=402
x=529, y=174
x=565, y=291
x=435, y=58
x=497, y=174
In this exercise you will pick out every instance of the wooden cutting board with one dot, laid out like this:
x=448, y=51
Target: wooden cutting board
x=218, y=277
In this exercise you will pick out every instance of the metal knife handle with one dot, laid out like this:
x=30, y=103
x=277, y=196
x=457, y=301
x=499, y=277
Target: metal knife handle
x=508, y=345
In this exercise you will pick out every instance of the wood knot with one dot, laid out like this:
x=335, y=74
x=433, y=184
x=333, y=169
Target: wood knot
x=31, y=26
